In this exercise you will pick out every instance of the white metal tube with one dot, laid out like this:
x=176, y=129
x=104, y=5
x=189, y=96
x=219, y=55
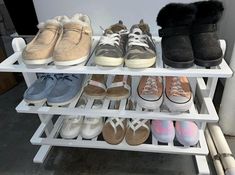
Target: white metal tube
x=213, y=152
x=222, y=147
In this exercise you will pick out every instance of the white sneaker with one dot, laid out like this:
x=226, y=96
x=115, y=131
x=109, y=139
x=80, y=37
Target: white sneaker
x=72, y=125
x=92, y=127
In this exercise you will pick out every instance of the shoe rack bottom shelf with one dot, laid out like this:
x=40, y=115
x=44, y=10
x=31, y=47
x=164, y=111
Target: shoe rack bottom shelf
x=151, y=145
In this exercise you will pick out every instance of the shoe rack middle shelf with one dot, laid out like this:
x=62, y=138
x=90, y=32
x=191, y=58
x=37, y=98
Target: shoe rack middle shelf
x=11, y=64
x=202, y=111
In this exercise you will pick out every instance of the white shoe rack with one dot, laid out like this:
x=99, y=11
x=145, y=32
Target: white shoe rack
x=47, y=134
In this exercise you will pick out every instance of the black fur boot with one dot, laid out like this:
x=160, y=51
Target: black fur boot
x=206, y=47
x=176, y=20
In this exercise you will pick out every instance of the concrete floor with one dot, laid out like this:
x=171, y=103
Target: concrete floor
x=16, y=152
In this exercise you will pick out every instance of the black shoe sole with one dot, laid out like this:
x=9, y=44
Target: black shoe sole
x=177, y=64
x=208, y=63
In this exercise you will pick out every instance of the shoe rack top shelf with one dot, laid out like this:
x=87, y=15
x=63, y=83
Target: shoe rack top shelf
x=11, y=64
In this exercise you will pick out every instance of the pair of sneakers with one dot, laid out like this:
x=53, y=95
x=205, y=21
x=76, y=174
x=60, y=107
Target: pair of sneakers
x=119, y=88
x=64, y=40
x=87, y=127
x=186, y=132
x=55, y=89
x=177, y=96
x=118, y=45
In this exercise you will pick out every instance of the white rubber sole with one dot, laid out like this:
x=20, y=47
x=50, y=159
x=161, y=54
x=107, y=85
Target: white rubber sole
x=149, y=104
x=35, y=101
x=108, y=61
x=177, y=107
x=140, y=63
x=63, y=103
x=37, y=62
x=71, y=62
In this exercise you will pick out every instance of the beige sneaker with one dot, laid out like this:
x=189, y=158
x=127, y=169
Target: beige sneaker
x=73, y=46
x=40, y=49
x=178, y=95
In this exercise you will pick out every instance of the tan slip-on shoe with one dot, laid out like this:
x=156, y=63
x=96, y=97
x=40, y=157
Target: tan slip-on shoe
x=73, y=47
x=178, y=94
x=96, y=87
x=40, y=49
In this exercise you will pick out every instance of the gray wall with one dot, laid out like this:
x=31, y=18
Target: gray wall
x=105, y=12
x=227, y=27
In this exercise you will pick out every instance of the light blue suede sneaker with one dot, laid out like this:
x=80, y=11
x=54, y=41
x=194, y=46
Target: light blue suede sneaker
x=65, y=90
x=39, y=90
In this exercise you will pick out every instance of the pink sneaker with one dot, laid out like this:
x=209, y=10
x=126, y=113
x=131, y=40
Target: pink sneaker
x=187, y=133
x=163, y=130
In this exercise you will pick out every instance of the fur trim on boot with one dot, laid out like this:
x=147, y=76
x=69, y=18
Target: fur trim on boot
x=176, y=14
x=208, y=12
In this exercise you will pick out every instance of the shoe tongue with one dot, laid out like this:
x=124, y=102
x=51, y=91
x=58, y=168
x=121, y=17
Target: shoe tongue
x=116, y=28
x=136, y=30
x=142, y=26
x=108, y=31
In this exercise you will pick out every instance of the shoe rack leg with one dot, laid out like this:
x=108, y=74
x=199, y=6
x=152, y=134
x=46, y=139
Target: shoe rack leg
x=211, y=86
x=202, y=165
x=44, y=150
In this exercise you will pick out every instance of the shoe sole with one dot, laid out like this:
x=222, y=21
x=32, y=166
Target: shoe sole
x=177, y=107
x=118, y=97
x=108, y=61
x=176, y=64
x=37, y=62
x=63, y=103
x=208, y=63
x=69, y=136
x=35, y=101
x=71, y=62
x=99, y=97
x=149, y=104
x=140, y=63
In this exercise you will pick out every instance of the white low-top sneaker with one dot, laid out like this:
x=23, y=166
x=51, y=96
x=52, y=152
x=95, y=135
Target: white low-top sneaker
x=71, y=127
x=92, y=127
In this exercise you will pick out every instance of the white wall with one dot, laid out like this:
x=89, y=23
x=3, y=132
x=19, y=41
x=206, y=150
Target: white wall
x=105, y=12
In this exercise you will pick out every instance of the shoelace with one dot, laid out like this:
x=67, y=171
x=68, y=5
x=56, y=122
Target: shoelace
x=112, y=39
x=47, y=76
x=176, y=87
x=150, y=86
x=137, y=38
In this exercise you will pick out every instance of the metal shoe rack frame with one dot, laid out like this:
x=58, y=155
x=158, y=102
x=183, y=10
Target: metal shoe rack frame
x=47, y=134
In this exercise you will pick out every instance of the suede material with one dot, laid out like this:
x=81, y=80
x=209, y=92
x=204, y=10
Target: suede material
x=177, y=48
x=75, y=43
x=206, y=46
x=176, y=45
x=207, y=50
x=42, y=46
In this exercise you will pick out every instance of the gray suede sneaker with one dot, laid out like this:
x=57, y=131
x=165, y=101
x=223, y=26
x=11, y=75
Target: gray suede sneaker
x=111, y=48
x=39, y=90
x=66, y=89
x=141, y=51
